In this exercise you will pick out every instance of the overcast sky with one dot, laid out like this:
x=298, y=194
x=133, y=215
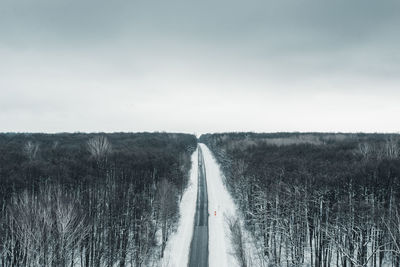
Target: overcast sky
x=199, y=66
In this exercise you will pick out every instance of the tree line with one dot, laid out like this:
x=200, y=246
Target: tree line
x=315, y=199
x=90, y=199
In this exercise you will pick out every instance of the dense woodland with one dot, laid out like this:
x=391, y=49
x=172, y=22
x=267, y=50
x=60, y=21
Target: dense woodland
x=315, y=199
x=90, y=199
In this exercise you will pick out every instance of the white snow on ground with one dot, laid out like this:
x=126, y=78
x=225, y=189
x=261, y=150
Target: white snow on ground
x=176, y=253
x=220, y=206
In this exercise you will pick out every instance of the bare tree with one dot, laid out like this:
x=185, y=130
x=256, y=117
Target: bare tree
x=48, y=227
x=391, y=148
x=99, y=147
x=31, y=150
x=365, y=150
x=166, y=205
x=238, y=242
x=393, y=227
x=69, y=224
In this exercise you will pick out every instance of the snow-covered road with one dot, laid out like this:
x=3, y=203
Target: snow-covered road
x=220, y=206
x=199, y=246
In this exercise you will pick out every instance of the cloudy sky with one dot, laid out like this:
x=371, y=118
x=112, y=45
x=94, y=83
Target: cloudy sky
x=199, y=66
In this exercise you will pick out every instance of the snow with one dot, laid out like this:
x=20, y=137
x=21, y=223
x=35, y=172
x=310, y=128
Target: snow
x=177, y=250
x=222, y=206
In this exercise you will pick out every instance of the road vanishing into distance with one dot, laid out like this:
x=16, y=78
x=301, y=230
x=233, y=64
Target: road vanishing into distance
x=199, y=245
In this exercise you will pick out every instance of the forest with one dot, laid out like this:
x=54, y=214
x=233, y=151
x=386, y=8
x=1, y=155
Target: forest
x=313, y=199
x=90, y=199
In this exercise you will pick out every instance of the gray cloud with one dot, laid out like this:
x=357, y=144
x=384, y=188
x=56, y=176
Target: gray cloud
x=199, y=66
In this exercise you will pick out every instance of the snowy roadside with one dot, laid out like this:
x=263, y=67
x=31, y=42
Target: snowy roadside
x=176, y=252
x=221, y=206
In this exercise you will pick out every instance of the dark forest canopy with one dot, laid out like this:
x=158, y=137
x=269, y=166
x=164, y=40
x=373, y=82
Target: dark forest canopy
x=90, y=199
x=65, y=157
x=322, y=199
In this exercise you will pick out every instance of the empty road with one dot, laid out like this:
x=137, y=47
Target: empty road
x=199, y=245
